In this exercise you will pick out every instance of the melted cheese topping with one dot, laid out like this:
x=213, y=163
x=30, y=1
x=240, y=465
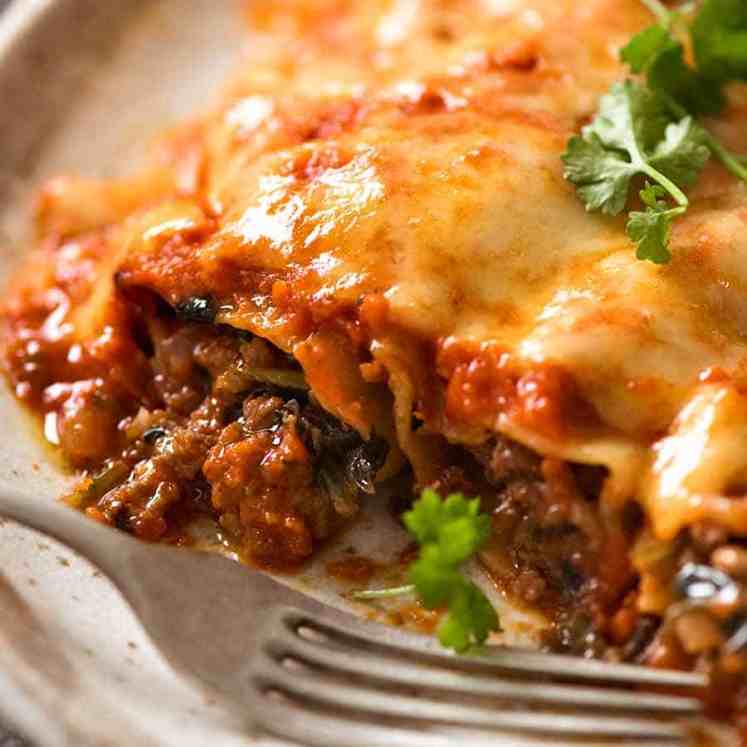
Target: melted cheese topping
x=408, y=152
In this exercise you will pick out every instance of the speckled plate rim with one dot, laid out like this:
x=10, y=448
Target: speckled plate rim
x=18, y=705
x=14, y=25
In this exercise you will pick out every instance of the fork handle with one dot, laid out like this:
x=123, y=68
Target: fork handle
x=95, y=542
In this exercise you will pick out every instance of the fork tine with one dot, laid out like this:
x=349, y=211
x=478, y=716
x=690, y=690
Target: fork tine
x=331, y=657
x=294, y=719
x=494, y=658
x=270, y=676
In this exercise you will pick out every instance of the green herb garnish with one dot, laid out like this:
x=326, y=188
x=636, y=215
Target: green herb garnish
x=651, y=229
x=449, y=533
x=650, y=129
x=394, y=591
x=633, y=134
x=719, y=35
x=659, y=55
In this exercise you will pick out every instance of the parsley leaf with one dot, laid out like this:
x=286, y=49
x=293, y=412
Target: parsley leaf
x=650, y=230
x=656, y=53
x=454, y=524
x=470, y=620
x=631, y=119
x=668, y=72
x=719, y=35
x=450, y=532
x=682, y=154
x=645, y=46
x=632, y=134
x=601, y=175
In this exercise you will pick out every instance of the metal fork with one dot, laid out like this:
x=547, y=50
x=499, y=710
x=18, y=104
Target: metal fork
x=300, y=670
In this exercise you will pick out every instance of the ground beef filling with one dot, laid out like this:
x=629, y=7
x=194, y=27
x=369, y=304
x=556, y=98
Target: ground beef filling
x=206, y=420
x=223, y=439
x=608, y=588
x=549, y=536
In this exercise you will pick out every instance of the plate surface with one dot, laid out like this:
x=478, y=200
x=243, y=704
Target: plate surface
x=85, y=85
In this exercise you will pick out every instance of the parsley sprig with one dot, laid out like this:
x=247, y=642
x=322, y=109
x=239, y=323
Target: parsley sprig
x=650, y=128
x=449, y=533
x=633, y=135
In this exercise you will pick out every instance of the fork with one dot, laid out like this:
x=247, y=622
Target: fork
x=301, y=670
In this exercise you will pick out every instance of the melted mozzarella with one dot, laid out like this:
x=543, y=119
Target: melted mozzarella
x=410, y=151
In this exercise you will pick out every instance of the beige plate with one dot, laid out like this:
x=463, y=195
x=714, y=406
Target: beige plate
x=84, y=84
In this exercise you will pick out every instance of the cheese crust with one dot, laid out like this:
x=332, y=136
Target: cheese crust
x=396, y=166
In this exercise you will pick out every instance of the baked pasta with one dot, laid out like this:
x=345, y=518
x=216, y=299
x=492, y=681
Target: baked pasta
x=364, y=262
